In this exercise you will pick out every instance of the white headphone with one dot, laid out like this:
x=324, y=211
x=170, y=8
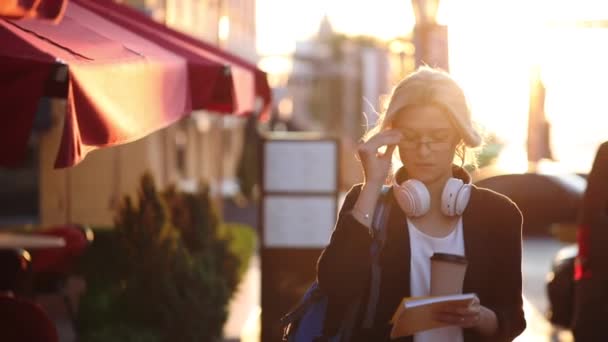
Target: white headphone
x=414, y=199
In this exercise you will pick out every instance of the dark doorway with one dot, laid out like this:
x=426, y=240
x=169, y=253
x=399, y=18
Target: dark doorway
x=19, y=186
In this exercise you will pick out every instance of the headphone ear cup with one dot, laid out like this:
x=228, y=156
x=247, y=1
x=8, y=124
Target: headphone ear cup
x=449, y=197
x=413, y=198
x=462, y=200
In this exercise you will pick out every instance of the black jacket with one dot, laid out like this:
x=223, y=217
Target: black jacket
x=492, y=236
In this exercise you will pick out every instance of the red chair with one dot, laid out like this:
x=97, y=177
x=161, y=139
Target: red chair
x=53, y=276
x=20, y=319
x=61, y=260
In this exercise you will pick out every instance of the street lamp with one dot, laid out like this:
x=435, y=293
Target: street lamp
x=223, y=24
x=223, y=30
x=430, y=38
x=425, y=11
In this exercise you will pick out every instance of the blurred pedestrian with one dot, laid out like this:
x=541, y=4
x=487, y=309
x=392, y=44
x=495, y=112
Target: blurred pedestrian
x=435, y=208
x=591, y=266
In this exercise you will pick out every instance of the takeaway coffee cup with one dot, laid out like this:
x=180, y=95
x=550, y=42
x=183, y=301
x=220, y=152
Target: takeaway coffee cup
x=447, y=273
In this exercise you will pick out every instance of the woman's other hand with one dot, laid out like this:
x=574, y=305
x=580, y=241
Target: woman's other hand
x=462, y=315
x=473, y=315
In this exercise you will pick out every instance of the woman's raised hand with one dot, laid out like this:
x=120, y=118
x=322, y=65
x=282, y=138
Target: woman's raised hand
x=376, y=164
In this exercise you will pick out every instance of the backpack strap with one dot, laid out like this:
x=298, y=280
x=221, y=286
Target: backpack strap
x=378, y=230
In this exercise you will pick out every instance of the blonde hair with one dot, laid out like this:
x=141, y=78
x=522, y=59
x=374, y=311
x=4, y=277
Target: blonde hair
x=430, y=86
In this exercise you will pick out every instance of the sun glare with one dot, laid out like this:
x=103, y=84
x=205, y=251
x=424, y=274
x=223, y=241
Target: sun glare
x=493, y=47
x=493, y=58
x=280, y=23
x=576, y=102
x=384, y=20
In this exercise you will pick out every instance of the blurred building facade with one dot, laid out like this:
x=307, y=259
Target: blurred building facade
x=228, y=23
x=337, y=85
x=91, y=192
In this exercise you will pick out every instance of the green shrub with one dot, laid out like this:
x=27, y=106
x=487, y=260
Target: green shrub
x=242, y=243
x=165, y=273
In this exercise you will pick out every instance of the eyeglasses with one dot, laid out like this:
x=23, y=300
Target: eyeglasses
x=435, y=144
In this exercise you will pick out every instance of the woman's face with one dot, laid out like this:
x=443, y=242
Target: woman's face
x=429, y=142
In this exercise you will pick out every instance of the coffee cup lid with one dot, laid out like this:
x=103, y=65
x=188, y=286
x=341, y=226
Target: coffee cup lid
x=458, y=259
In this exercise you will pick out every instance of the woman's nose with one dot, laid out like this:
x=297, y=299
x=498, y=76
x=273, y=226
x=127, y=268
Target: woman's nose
x=423, y=148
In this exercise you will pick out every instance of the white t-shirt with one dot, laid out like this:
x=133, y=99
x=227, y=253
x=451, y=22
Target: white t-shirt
x=422, y=247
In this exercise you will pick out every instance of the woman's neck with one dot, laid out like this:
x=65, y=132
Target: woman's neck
x=436, y=190
x=435, y=222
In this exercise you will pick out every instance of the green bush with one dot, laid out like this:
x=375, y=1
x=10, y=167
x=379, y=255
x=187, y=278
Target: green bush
x=165, y=273
x=242, y=243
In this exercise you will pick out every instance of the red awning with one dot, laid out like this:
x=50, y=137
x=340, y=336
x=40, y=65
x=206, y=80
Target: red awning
x=38, y=9
x=121, y=85
x=249, y=81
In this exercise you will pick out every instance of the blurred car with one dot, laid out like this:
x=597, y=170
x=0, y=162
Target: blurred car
x=544, y=199
x=560, y=287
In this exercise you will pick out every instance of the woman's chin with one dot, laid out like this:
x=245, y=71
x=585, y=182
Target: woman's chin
x=425, y=176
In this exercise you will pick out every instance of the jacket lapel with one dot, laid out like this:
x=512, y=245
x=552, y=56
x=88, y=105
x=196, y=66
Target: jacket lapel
x=399, y=248
x=472, y=229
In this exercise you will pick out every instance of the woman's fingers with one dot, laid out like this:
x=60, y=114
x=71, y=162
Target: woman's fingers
x=385, y=138
x=389, y=152
x=375, y=154
x=389, y=137
x=464, y=316
x=465, y=321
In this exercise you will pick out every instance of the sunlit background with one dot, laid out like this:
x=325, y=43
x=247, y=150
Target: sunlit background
x=535, y=72
x=493, y=48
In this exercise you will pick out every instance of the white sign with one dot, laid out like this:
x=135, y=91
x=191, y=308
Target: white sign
x=300, y=166
x=298, y=221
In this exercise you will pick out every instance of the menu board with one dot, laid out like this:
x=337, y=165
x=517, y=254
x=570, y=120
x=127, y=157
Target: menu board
x=300, y=166
x=298, y=221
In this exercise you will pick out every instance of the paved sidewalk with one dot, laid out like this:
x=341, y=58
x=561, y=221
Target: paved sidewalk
x=539, y=329
x=244, y=312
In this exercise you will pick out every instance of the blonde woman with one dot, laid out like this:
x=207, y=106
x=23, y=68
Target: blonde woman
x=435, y=209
